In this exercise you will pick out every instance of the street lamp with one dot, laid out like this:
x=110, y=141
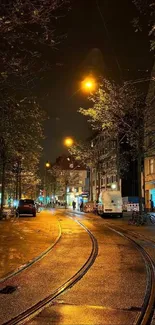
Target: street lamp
x=68, y=142
x=88, y=84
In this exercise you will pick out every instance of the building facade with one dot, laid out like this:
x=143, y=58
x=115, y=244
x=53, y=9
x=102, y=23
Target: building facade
x=105, y=175
x=149, y=160
x=73, y=180
x=149, y=173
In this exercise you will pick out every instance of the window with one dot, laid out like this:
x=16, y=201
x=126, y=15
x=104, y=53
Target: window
x=151, y=166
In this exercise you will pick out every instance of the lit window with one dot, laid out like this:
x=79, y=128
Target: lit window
x=151, y=166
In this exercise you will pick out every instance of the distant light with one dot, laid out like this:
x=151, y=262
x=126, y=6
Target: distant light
x=113, y=186
x=15, y=203
x=47, y=164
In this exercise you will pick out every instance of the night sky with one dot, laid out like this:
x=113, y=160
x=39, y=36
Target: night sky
x=102, y=45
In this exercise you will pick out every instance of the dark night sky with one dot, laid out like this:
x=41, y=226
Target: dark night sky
x=88, y=48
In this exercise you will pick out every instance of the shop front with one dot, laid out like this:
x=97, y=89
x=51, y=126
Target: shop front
x=78, y=196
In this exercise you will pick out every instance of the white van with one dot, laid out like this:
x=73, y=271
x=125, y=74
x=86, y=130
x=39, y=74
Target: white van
x=110, y=203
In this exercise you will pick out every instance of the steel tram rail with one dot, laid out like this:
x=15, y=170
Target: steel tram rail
x=148, y=306
x=37, y=308
x=145, y=315
x=34, y=260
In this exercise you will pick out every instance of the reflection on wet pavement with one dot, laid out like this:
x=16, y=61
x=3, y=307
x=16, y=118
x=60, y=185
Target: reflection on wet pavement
x=68, y=314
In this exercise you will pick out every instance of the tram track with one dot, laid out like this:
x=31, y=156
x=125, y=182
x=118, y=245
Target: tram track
x=33, y=261
x=38, y=307
x=145, y=315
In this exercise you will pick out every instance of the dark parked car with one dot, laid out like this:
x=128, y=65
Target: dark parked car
x=26, y=207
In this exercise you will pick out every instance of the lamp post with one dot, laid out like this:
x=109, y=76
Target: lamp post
x=47, y=166
x=68, y=142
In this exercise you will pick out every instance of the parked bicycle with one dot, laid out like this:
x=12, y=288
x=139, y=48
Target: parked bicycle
x=138, y=219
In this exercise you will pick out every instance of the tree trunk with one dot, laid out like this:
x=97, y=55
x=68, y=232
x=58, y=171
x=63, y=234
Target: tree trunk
x=20, y=189
x=99, y=185
x=66, y=197
x=45, y=186
x=91, y=185
x=19, y=179
x=16, y=190
x=3, y=185
x=118, y=164
x=144, y=187
x=139, y=170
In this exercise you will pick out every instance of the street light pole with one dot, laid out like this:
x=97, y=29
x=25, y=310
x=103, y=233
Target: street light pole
x=47, y=165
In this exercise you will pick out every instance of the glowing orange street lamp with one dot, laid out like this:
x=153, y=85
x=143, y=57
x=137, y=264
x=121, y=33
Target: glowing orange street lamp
x=68, y=142
x=89, y=84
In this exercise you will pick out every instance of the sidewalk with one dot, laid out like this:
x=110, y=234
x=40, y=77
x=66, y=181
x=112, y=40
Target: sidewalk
x=147, y=230
x=23, y=239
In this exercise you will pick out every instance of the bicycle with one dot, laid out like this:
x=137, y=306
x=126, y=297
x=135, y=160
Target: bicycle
x=138, y=219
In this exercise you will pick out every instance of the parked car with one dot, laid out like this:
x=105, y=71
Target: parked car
x=26, y=207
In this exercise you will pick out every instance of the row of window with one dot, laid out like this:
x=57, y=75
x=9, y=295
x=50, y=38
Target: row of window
x=109, y=180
